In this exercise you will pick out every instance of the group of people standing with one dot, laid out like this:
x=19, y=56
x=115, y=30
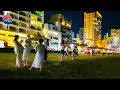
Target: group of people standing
x=40, y=48
x=23, y=49
x=68, y=49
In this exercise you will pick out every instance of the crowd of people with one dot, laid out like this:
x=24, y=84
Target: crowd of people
x=23, y=49
x=68, y=50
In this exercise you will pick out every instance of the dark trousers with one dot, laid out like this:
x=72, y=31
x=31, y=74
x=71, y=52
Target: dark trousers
x=45, y=54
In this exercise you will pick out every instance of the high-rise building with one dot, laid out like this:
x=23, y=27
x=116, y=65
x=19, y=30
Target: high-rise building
x=115, y=35
x=81, y=33
x=65, y=25
x=52, y=32
x=24, y=22
x=92, y=27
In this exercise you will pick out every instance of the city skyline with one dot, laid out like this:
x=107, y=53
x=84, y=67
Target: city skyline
x=110, y=19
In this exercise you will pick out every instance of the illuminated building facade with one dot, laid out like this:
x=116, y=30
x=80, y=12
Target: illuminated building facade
x=53, y=33
x=24, y=22
x=74, y=40
x=92, y=27
x=115, y=35
x=65, y=26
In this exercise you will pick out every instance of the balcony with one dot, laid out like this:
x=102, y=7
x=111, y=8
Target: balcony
x=15, y=23
x=22, y=19
x=22, y=30
x=22, y=13
x=13, y=28
x=22, y=24
x=33, y=27
x=14, y=16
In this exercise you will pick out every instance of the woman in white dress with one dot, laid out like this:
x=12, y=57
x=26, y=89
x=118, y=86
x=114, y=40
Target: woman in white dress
x=18, y=48
x=39, y=58
x=27, y=50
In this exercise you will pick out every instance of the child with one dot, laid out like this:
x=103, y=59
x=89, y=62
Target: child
x=39, y=58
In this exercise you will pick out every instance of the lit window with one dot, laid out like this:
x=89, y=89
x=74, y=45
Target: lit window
x=32, y=22
x=32, y=17
x=55, y=33
x=70, y=26
x=35, y=17
x=63, y=23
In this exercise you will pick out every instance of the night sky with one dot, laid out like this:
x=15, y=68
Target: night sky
x=110, y=19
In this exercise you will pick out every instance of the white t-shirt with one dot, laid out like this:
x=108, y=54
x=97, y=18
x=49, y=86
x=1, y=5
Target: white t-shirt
x=45, y=44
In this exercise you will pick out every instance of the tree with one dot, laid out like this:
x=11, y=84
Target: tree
x=37, y=36
x=67, y=42
x=83, y=45
x=79, y=41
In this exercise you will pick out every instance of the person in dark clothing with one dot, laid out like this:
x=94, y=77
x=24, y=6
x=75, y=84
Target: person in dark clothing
x=46, y=44
x=76, y=51
x=5, y=44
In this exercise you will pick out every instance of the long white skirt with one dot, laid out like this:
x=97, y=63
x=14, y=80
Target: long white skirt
x=39, y=60
x=26, y=54
x=18, y=59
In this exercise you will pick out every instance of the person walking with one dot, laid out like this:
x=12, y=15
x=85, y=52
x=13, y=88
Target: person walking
x=39, y=57
x=27, y=50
